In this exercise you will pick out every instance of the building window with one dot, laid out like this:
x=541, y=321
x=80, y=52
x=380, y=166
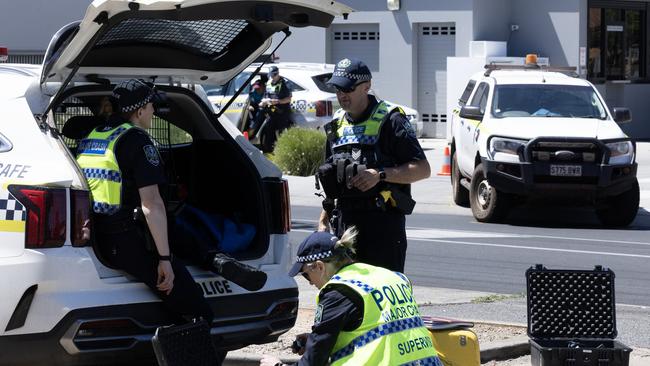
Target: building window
x=616, y=40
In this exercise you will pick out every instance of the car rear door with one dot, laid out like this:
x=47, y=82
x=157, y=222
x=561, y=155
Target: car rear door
x=181, y=41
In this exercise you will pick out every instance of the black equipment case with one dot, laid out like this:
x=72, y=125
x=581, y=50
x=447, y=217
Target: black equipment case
x=572, y=318
x=185, y=345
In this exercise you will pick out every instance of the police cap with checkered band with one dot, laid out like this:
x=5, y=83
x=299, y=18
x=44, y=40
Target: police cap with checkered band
x=133, y=94
x=349, y=72
x=317, y=246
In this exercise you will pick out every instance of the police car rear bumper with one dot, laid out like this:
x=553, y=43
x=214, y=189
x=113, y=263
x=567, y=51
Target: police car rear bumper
x=534, y=179
x=74, y=341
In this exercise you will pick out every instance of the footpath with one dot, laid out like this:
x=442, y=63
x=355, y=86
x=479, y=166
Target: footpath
x=453, y=303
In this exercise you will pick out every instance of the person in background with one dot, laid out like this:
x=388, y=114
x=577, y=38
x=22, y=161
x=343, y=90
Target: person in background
x=277, y=102
x=256, y=114
x=358, y=319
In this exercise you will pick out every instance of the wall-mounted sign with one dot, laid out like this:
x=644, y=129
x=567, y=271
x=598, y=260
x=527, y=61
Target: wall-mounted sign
x=614, y=28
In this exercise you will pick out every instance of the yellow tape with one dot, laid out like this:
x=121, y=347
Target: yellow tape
x=12, y=226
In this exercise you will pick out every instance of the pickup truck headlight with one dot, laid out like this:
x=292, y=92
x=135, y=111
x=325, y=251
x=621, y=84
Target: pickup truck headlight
x=508, y=150
x=621, y=152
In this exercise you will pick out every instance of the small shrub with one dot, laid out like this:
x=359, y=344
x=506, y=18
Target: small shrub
x=299, y=151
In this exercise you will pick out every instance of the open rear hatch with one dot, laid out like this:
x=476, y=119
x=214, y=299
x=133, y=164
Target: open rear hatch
x=178, y=42
x=186, y=41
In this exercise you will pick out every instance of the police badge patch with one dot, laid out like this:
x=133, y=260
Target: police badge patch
x=344, y=63
x=151, y=154
x=319, y=314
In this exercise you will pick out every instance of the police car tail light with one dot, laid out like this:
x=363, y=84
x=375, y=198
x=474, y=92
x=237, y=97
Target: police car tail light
x=45, y=225
x=286, y=208
x=4, y=54
x=323, y=108
x=278, y=194
x=80, y=216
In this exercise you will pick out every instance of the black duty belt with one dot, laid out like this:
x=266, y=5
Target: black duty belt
x=359, y=204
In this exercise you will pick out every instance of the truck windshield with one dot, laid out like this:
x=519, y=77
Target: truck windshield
x=533, y=100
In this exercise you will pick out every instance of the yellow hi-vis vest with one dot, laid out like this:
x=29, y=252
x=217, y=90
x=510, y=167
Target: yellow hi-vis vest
x=392, y=332
x=363, y=133
x=96, y=157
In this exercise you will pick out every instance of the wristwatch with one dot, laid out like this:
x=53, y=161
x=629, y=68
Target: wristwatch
x=382, y=174
x=164, y=257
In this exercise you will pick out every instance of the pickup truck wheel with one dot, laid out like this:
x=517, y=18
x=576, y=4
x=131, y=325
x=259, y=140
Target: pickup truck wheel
x=488, y=204
x=459, y=193
x=620, y=210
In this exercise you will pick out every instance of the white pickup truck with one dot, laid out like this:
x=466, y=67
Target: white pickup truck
x=536, y=132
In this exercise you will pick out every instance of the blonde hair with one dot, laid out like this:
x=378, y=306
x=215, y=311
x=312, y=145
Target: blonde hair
x=344, y=249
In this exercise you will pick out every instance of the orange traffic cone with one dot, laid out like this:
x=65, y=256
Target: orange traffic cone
x=446, y=163
x=246, y=135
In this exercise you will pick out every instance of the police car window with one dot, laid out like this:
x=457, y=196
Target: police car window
x=480, y=97
x=237, y=82
x=215, y=90
x=468, y=91
x=293, y=86
x=167, y=134
x=321, y=82
x=71, y=107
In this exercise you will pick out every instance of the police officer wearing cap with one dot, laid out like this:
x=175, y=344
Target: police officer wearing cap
x=124, y=172
x=372, y=157
x=277, y=102
x=365, y=315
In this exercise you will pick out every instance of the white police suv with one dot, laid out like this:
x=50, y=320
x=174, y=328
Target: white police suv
x=522, y=132
x=61, y=302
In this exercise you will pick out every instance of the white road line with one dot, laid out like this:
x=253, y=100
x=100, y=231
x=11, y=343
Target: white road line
x=421, y=232
x=495, y=245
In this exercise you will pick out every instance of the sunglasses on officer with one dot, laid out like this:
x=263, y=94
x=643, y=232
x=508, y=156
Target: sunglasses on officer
x=347, y=90
x=308, y=267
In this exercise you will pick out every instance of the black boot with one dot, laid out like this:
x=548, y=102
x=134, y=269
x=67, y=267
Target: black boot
x=250, y=278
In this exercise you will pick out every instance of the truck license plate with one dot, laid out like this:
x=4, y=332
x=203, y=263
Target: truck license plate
x=566, y=170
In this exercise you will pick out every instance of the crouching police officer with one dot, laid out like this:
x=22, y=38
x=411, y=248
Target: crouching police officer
x=372, y=157
x=365, y=315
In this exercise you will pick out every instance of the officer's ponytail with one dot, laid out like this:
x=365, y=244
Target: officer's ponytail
x=345, y=249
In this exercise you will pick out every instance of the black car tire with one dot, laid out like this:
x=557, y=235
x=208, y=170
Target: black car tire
x=619, y=211
x=459, y=193
x=488, y=204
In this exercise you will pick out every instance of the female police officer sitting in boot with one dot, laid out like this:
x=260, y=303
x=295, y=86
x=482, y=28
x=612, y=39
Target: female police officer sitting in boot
x=124, y=171
x=365, y=315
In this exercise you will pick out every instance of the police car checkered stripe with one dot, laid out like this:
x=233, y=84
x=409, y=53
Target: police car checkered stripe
x=105, y=208
x=429, y=361
x=359, y=284
x=347, y=75
x=104, y=174
x=314, y=257
x=376, y=333
x=10, y=208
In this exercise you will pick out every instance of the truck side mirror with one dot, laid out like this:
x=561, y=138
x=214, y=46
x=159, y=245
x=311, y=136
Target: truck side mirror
x=621, y=115
x=471, y=112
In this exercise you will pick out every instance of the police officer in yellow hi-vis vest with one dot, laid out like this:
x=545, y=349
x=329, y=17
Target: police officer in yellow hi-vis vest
x=125, y=172
x=372, y=157
x=365, y=315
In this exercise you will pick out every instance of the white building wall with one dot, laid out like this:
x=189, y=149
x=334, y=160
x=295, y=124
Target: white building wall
x=398, y=40
x=28, y=25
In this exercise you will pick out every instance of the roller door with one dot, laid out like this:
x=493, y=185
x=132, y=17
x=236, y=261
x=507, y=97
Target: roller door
x=435, y=43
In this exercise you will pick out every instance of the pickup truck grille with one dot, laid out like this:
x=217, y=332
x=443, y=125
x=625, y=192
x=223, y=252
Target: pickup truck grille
x=566, y=152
